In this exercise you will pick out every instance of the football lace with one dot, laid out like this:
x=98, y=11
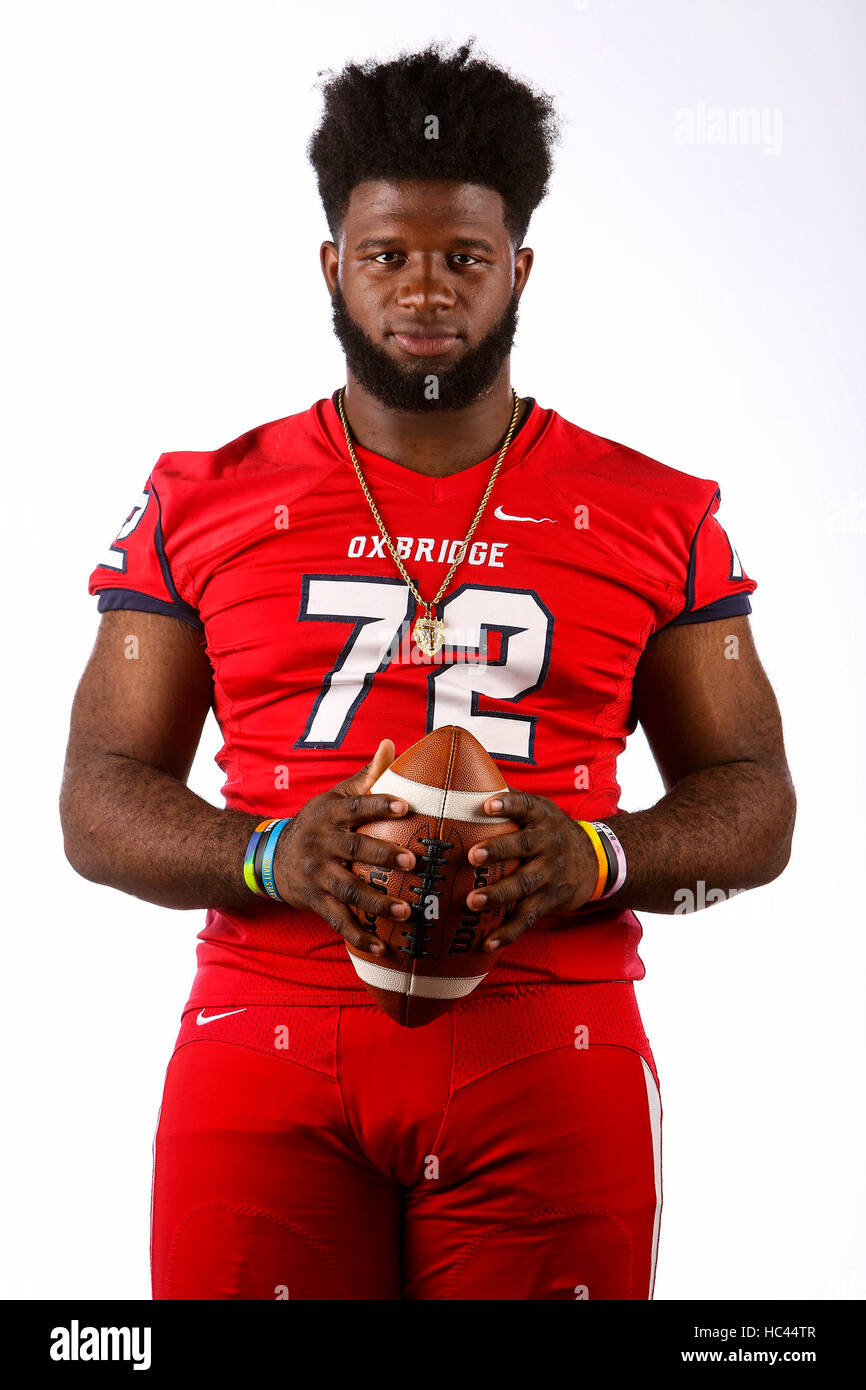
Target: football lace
x=418, y=934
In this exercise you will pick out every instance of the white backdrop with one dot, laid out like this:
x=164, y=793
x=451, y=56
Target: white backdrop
x=697, y=294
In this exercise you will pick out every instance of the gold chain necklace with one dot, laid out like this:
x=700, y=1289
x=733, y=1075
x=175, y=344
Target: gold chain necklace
x=429, y=632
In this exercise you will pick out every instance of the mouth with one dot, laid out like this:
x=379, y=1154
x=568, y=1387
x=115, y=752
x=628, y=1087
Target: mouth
x=425, y=345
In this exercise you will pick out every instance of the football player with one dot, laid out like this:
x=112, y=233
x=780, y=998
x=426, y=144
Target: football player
x=423, y=547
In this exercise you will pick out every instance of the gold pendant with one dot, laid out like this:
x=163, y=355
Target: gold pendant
x=429, y=633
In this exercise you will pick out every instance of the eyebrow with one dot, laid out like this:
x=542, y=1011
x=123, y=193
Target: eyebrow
x=464, y=242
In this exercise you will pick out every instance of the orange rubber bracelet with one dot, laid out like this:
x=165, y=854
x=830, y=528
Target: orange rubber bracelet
x=601, y=882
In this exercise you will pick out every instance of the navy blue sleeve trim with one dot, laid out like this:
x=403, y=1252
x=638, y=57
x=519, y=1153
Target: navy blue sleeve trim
x=731, y=606
x=185, y=610
x=111, y=599
x=690, y=577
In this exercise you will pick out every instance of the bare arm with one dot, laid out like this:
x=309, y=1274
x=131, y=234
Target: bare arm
x=712, y=722
x=130, y=821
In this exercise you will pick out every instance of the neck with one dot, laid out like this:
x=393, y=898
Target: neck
x=435, y=443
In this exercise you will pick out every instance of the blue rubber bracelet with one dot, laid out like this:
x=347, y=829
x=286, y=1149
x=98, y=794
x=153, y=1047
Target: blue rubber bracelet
x=268, y=859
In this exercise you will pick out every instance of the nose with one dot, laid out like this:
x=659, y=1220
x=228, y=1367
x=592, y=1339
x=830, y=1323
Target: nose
x=424, y=286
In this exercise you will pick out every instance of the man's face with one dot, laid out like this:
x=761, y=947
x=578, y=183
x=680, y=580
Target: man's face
x=425, y=285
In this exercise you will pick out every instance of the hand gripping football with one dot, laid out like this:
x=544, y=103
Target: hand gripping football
x=435, y=957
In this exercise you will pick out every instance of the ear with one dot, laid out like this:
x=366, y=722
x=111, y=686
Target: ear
x=523, y=259
x=329, y=259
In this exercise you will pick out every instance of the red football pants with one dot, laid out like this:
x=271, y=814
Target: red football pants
x=510, y=1150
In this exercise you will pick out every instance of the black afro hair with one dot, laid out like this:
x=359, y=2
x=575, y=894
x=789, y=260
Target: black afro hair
x=493, y=129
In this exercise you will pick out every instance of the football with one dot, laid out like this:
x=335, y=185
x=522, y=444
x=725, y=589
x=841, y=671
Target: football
x=435, y=957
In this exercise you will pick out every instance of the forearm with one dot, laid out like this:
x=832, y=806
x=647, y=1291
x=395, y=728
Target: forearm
x=133, y=827
x=727, y=828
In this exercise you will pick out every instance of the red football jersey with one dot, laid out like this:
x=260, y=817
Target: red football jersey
x=268, y=546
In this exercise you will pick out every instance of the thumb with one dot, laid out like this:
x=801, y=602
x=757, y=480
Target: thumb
x=363, y=780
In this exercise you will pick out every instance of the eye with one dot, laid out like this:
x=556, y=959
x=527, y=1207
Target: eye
x=465, y=259
x=381, y=257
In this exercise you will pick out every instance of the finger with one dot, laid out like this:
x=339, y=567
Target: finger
x=526, y=879
x=524, y=916
x=368, y=849
x=516, y=805
x=341, y=919
x=349, y=810
x=520, y=844
x=347, y=888
x=363, y=780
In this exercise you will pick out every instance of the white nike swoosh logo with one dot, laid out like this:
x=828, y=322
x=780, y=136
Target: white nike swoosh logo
x=201, y=1018
x=504, y=516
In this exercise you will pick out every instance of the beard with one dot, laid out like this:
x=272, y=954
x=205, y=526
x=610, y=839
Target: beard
x=405, y=387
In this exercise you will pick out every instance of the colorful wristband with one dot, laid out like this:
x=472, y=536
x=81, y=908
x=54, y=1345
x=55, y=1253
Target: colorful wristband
x=250, y=857
x=619, y=855
x=612, y=865
x=259, y=858
x=268, y=859
x=601, y=858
